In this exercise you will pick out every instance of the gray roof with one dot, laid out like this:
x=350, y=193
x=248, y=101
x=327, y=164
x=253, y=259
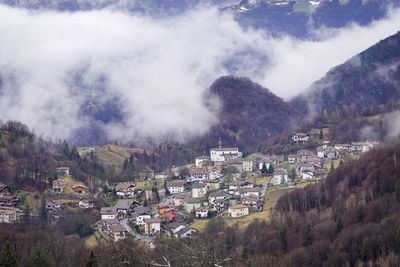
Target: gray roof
x=153, y=220
x=142, y=210
x=117, y=228
x=123, y=204
x=175, y=184
x=217, y=194
x=185, y=230
x=225, y=149
x=111, y=221
x=173, y=225
x=198, y=185
x=108, y=210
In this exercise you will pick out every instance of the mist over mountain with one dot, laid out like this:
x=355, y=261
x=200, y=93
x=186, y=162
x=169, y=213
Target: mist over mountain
x=99, y=75
x=361, y=84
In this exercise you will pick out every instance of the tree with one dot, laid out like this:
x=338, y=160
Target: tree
x=341, y=163
x=397, y=190
x=397, y=241
x=271, y=169
x=283, y=239
x=43, y=209
x=12, y=187
x=321, y=134
x=145, y=204
x=307, y=237
x=360, y=213
x=264, y=170
x=7, y=256
x=38, y=259
x=339, y=224
x=292, y=173
x=126, y=164
x=132, y=161
x=332, y=168
x=145, y=157
x=91, y=262
x=27, y=212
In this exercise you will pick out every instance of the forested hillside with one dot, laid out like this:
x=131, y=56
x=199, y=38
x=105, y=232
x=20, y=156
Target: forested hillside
x=359, y=86
x=28, y=161
x=249, y=114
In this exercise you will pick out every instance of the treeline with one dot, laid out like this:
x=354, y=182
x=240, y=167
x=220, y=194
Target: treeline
x=29, y=161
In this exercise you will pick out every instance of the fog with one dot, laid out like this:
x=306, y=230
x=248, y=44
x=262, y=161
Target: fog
x=52, y=64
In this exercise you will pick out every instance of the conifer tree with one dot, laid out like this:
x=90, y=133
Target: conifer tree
x=321, y=134
x=126, y=163
x=397, y=241
x=339, y=225
x=271, y=169
x=132, y=160
x=397, y=190
x=7, y=256
x=38, y=259
x=264, y=170
x=43, y=209
x=91, y=262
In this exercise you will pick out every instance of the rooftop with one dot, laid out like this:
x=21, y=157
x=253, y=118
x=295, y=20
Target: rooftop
x=238, y=206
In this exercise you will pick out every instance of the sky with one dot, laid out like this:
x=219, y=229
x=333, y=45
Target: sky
x=51, y=63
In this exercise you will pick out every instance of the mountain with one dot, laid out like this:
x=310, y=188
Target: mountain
x=300, y=17
x=284, y=17
x=27, y=161
x=359, y=86
x=249, y=114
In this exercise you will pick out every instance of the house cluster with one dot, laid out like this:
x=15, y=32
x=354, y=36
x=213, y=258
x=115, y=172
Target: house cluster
x=300, y=138
x=59, y=185
x=126, y=190
x=112, y=216
x=8, y=212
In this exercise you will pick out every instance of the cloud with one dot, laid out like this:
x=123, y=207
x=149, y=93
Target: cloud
x=297, y=64
x=159, y=69
x=154, y=71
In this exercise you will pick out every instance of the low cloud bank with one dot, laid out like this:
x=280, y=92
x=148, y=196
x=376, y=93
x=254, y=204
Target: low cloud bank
x=56, y=68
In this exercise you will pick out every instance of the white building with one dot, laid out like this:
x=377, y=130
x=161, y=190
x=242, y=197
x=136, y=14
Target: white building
x=199, y=160
x=9, y=215
x=176, y=187
x=152, y=226
x=108, y=213
x=280, y=177
x=247, y=165
x=199, y=190
x=220, y=154
x=237, y=211
x=202, y=212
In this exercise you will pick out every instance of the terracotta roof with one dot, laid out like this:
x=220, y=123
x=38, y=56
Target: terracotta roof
x=8, y=212
x=124, y=186
x=78, y=185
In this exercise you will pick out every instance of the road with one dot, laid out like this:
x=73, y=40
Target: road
x=222, y=213
x=97, y=194
x=264, y=189
x=138, y=236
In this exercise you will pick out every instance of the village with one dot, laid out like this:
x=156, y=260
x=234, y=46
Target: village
x=174, y=203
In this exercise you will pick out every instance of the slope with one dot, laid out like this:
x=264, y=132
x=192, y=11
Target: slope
x=249, y=114
x=360, y=85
